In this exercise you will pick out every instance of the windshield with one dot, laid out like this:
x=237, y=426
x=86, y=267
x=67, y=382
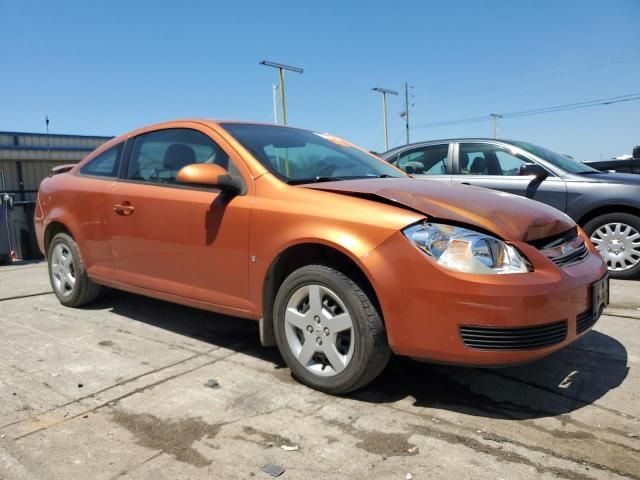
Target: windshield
x=300, y=156
x=561, y=161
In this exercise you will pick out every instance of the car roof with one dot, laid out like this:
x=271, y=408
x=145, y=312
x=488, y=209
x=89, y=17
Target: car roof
x=205, y=121
x=446, y=140
x=176, y=123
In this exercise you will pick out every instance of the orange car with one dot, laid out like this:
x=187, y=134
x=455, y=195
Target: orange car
x=341, y=257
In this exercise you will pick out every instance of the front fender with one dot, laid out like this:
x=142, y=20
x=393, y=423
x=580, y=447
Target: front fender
x=284, y=216
x=582, y=203
x=342, y=240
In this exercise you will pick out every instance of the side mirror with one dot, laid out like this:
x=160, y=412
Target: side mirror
x=533, y=169
x=209, y=175
x=409, y=169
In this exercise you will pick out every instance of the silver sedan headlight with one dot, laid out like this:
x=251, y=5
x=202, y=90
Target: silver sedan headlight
x=463, y=250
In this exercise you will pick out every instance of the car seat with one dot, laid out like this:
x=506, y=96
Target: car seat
x=178, y=156
x=479, y=166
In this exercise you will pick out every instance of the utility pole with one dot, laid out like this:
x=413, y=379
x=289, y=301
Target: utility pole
x=275, y=102
x=384, y=93
x=406, y=109
x=46, y=121
x=495, y=117
x=283, y=107
x=281, y=69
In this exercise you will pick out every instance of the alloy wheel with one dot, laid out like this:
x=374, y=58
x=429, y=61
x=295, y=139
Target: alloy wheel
x=319, y=330
x=63, y=272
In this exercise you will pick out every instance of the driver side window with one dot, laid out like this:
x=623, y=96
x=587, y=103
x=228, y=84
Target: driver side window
x=489, y=159
x=430, y=160
x=510, y=163
x=156, y=157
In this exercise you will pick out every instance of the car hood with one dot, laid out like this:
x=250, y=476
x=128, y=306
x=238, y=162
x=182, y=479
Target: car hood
x=508, y=216
x=617, y=178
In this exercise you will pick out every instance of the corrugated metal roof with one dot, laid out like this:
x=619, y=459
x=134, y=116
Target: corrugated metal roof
x=26, y=158
x=3, y=132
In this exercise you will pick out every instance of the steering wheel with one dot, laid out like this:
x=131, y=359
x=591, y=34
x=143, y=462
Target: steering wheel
x=157, y=177
x=326, y=169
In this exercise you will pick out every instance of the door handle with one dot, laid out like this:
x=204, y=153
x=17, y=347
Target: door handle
x=465, y=183
x=123, y=209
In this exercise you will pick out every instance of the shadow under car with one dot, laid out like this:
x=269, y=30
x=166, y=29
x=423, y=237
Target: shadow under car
x=558, y=384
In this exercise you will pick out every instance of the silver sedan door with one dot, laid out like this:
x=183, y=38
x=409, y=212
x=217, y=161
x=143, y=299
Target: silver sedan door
x=495, y=166
x=432, y=161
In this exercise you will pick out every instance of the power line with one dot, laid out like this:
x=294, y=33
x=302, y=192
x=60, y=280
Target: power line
x=536, y=111
x=571, y=106
x=548, y=72
x=453, y=122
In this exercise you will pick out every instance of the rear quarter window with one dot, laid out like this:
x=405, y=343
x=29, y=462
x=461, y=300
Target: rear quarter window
x=104, y=165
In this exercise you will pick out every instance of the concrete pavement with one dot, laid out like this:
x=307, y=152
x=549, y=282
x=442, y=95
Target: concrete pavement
x=118, y=390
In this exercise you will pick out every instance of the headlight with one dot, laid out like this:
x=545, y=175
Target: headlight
x=464, y=250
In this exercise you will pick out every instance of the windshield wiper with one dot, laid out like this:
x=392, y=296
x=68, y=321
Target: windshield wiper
x=317, y=179
x=323, y=178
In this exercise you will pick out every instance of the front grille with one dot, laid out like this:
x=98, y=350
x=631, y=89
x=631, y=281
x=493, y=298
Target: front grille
x=585, y=321
x=513, y=338
x=566, y=249
x=574, y=257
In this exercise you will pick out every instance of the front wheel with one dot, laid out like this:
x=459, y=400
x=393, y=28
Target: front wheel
x=617, y=238
x=329, y=331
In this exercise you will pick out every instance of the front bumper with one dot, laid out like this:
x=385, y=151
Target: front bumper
x=424, y=306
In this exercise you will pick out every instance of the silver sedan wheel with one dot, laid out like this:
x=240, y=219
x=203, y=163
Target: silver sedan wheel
x=319, y=330
x=63, y=271
x=619, y=245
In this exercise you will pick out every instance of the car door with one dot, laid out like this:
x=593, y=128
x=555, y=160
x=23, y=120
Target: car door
x=178, y=239
x=89, y=201
x=426, y=161
x=496, y=166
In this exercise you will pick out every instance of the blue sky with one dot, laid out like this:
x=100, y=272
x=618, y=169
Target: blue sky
x=108, y=67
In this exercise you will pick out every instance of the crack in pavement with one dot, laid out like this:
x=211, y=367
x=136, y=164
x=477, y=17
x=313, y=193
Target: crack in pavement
x=118, y=384
x=526, y=446
x=506, y=456
x=121, y=397
x=27, y=295
x=371, y=441
x=621, y=316
x=534, y=448
x=124, y=471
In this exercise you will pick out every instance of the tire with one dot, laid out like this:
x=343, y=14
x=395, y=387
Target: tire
x=6, y=259
x=358, y=353
x=617, y=238
x=67, y=274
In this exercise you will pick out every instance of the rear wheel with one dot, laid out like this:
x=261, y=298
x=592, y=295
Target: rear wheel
x=328, y=330
x=68, y=277
x=617, y=238
x=6, y=259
